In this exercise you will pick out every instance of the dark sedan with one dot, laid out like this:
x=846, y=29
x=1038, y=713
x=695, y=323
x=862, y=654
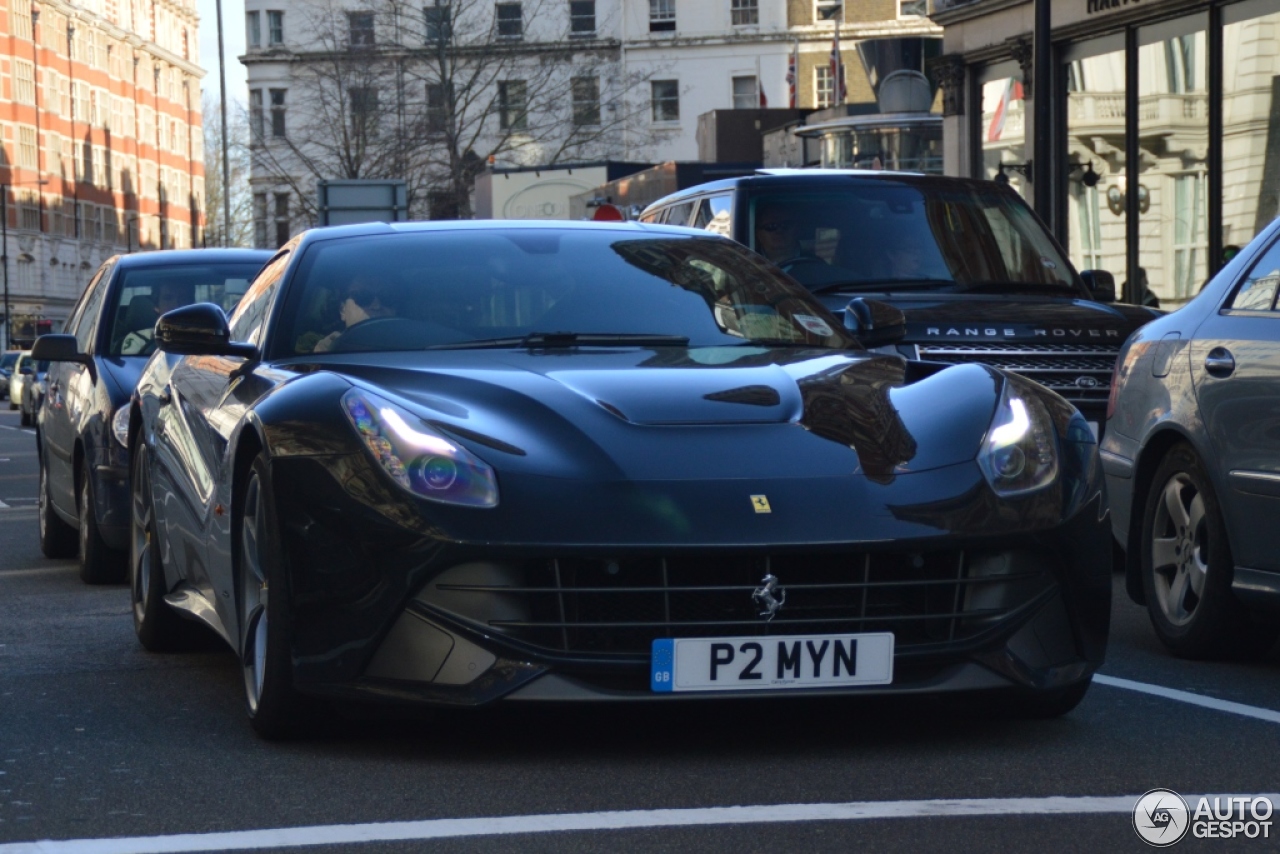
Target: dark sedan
x=84, y=466
x=1192, y=461
x=460, y=463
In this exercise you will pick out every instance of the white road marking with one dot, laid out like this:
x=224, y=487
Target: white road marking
x=445, y=828
x=40, y=570
x=3, y=506
x=1257, y=712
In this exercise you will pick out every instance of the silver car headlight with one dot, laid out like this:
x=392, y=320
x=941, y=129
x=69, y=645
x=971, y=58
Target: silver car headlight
x=422, y=461
x=120, y=426
x=1020, y=452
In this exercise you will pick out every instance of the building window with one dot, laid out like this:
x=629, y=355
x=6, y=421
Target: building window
x=260, y=220
x=27, y=156
x=438, y=107
x=510, y=21
x=913, y=8
x=512, y=105
x=746, y=93
x=253, y=28
x=439, y=27
x=30, y=217
x=360, y=25
x=662, y=16
x=744, y=12
x=666, y=100
x=275, y=28
x=277, y=112
x=1189, y=243
x=828, y=10
x=282, y=219
x=257, y=124
x=364, y=110
x=823, y=87
x=582, y=19
x=586, y=100
x=24, y=82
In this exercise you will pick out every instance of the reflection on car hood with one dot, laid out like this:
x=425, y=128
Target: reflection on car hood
x=679, y=413
x=124, y=372
x=985, y=317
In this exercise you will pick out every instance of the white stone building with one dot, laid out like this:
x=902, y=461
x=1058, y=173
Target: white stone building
x=437, y=91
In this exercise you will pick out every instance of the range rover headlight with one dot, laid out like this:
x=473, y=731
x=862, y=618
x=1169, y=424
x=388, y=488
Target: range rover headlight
x=422, y=461
x=120, y=426
x=1020, y=452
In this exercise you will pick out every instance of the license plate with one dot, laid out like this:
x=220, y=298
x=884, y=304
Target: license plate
x=771, y=663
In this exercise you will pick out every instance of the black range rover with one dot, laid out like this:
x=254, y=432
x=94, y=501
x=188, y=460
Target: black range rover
x=975, y=273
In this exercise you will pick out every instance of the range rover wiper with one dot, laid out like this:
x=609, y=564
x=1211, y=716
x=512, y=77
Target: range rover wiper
x=995, y=287
x=564, y=340
x=884, y=285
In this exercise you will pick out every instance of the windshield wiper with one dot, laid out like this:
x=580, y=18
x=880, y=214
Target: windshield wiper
x=884, y=285
x=994, y=287
x=564, y=340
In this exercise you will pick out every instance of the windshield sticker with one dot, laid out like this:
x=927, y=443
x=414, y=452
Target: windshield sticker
x=1048, y=264
x=816, y=325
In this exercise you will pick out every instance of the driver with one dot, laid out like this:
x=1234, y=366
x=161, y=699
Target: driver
x=777, y=232
x=366, y=298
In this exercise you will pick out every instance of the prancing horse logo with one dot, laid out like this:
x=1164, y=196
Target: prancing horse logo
x=770, y=596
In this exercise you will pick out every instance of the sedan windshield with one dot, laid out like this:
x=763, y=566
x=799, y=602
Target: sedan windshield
x=145, y=293
x=544, y=289
x=901, y=235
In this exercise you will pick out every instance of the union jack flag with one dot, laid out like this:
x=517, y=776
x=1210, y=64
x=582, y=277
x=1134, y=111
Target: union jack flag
x=792, y=76
x=838, y=91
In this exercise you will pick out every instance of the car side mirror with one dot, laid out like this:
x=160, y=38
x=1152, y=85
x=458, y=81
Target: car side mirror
x=199, y=330
x=874, y=323
x=1101, y=285
x=59, y=348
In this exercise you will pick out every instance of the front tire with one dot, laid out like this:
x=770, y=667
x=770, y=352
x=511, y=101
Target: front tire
x=57, y=538
x=99, y=563
x=274, y=708
x=1187, y=567
x=158, y=627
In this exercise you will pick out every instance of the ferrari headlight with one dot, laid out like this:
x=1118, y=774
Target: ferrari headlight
x=120, y=426
x=421, y=460
x=1020, y=453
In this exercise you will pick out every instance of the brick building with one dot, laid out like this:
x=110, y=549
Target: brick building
x=103, y=152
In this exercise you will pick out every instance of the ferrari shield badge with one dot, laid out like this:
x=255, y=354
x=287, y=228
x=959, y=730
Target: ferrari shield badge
x=761, y=504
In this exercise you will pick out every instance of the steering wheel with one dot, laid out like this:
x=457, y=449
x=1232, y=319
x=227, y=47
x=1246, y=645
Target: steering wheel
x=393, y=333
x=795, y=262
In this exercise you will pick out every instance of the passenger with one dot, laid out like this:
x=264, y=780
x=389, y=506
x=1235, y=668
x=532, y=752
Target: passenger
x=144, y=311
x=906, y=255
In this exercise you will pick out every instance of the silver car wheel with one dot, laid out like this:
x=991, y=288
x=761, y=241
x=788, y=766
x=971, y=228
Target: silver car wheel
x=253, y=594
x=1180, y=546
x=141, y=565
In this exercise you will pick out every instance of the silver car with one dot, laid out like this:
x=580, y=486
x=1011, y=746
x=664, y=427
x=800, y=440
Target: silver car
x=22, y=368
x=1191, y=454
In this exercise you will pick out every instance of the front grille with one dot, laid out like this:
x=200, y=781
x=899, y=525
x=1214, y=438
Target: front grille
x=1079, y=372
x=618, y=607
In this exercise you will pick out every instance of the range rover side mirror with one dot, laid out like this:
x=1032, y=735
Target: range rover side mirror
x=874, y=323
x=58, y=348
x=1101, y=284
x=199, y=330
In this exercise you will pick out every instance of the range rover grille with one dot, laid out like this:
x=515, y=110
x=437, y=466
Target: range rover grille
x=1079, y=372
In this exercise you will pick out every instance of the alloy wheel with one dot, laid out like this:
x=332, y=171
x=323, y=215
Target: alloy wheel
x=1180, y=545
x=253, y=594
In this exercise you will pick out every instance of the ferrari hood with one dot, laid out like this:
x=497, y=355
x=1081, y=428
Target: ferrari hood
x=691, y=413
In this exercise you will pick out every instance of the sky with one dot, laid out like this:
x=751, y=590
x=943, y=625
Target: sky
x=233, y=37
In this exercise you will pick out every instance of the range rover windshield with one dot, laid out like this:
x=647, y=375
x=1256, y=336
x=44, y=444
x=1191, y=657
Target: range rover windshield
x=887, y=235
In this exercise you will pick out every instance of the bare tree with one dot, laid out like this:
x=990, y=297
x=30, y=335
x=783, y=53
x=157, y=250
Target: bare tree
x=388, y=89
x=241, y=232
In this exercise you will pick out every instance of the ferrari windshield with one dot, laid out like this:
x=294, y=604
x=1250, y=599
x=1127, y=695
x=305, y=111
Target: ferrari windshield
x=907, y=235
x=544, y=288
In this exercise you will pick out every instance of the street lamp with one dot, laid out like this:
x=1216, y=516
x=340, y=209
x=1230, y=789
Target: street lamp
x=4, y=252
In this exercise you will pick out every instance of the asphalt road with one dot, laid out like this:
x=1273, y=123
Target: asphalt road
x=100, y=739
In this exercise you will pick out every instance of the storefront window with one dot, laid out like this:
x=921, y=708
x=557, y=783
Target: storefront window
x=1003, y=124
x=1173, y=137
x=1250, y=118
x=1095, y=225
